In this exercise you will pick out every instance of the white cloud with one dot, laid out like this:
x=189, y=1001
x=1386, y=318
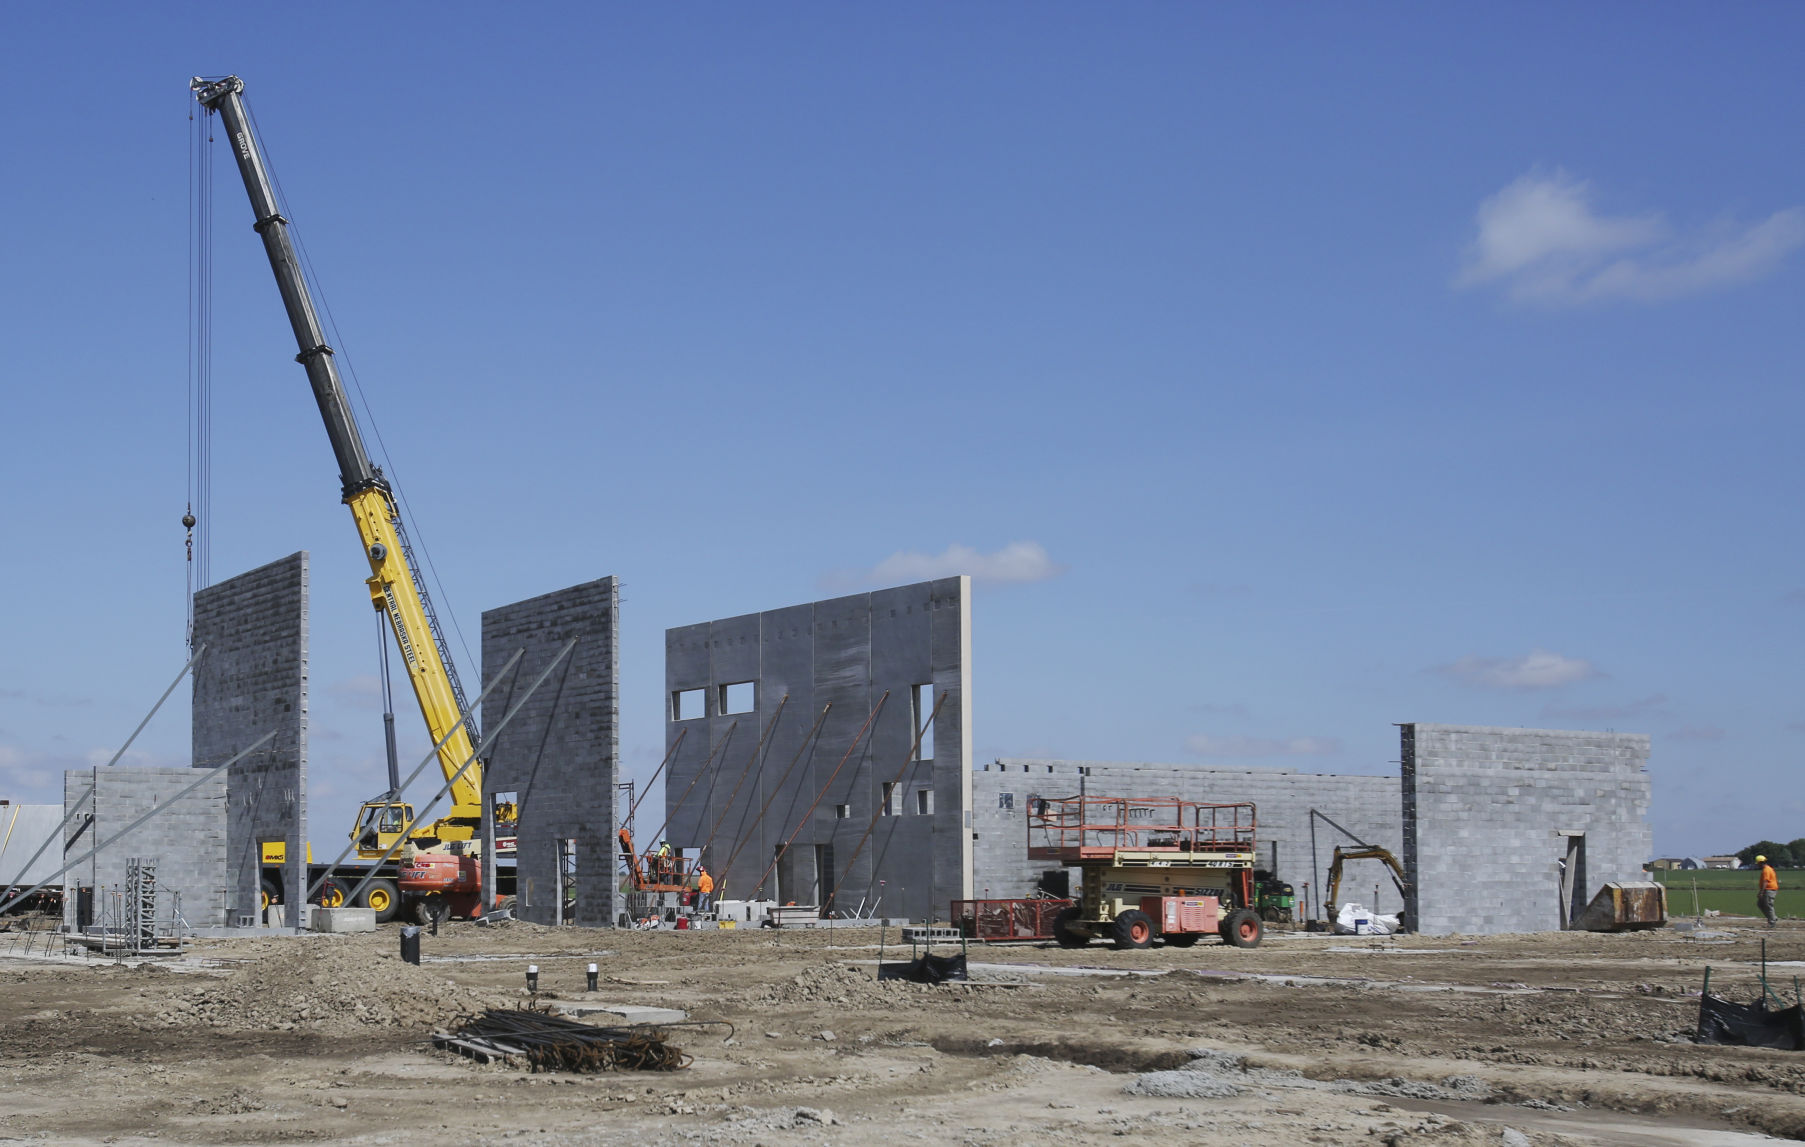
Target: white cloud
x=1017, y=563
x=1205, y=745
x=1540, y=240
x=1539, y=670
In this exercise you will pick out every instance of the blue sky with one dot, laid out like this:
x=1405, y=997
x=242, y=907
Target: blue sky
x=1282, y=373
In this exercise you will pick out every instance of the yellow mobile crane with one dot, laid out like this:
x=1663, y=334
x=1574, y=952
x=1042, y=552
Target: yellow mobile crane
x=394, y=582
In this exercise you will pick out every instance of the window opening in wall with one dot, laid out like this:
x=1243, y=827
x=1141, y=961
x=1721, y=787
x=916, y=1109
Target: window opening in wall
x=890, y=790
x=1006, y=801
x=924, y=706
x=688, y=704
x=924, y=801
x=739, y=697
x=842, y=811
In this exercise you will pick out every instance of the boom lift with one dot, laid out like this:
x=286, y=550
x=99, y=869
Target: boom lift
x=394, y=582
x=1154, y=867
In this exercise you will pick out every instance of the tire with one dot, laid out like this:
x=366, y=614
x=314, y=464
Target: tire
x=1132, y=929
x=1271, y=915
x=382, y=897
x=1243, y=928
x=429, y=905
x=331, y=894
x=1064, y=934
x=271, y=893
x=1182, y=939
x=508, y=903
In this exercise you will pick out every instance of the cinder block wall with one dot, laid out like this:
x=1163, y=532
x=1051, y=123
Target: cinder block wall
x=1368, y=806
x=253, y=679
x=188, y=840
x=561, y=754
x=1483, y=810
x=741, y=784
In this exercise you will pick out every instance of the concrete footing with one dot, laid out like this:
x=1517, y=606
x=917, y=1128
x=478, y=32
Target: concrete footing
x=344, y=919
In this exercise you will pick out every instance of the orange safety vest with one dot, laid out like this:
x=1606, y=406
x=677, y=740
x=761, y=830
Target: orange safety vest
x=705, y=883
x=1769, y=882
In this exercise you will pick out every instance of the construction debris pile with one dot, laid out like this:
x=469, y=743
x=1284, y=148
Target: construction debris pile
x=549, y=1042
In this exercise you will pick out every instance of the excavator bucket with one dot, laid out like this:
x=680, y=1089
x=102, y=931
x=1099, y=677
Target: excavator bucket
x=1625, y=906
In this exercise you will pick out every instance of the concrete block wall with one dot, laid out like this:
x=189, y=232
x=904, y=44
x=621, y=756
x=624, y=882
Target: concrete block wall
x=1368, y=806
x=188, y=840
x=1484, y=809
x=253, y=679
x=741, y=784
x=561, y=754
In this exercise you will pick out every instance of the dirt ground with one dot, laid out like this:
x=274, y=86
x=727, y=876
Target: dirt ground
x=1547, y=1039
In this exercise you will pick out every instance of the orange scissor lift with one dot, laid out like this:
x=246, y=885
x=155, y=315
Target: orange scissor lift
x=1153, y=867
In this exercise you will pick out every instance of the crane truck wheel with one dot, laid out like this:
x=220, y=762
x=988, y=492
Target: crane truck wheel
x=332, y=894
x=1132, y=929
x=382, y=898
x=1064, y=932
x=269, y=894
x=1243, y=928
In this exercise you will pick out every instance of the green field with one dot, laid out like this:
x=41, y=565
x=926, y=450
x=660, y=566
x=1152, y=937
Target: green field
x=1730, y=891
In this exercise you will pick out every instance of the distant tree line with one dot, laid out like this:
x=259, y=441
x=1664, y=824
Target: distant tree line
x=1779, y=855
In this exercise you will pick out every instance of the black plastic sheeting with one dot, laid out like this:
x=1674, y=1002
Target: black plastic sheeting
x=1750, y=1025
x=928, y=969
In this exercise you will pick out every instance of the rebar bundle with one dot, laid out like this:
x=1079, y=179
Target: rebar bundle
x=556, y=1043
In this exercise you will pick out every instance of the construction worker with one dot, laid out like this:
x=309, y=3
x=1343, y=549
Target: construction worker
x=704, y=887
x=1768, y=885
x=663, y=863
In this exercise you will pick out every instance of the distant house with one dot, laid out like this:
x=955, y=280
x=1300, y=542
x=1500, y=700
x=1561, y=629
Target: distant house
x=1662, y=863
x=1723, y=862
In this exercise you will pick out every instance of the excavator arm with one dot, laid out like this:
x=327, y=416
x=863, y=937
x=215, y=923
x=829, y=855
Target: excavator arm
x=394, y=583
x=1343, y=855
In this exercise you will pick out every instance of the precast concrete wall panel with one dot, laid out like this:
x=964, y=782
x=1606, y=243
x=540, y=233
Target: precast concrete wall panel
x=561, y=754
x=1367, y=806
x=818, y=783
x=252, y=679
x=1492, y=815
x=189, y=841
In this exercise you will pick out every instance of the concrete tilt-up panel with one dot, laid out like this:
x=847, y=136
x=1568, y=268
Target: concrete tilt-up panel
x=252, y=679
x=779, y=794
x=561, y=755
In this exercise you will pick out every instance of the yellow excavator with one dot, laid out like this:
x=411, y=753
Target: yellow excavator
x=1366, y=852
x=394, y=584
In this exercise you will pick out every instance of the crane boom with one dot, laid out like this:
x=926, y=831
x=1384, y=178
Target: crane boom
x=394, y=582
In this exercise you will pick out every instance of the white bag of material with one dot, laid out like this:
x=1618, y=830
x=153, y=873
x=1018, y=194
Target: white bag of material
x=1357, y=920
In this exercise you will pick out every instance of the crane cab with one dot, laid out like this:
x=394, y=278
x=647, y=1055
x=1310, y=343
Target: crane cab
x=380, y=823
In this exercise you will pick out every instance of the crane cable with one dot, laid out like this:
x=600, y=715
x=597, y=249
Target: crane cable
x=198, y=412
